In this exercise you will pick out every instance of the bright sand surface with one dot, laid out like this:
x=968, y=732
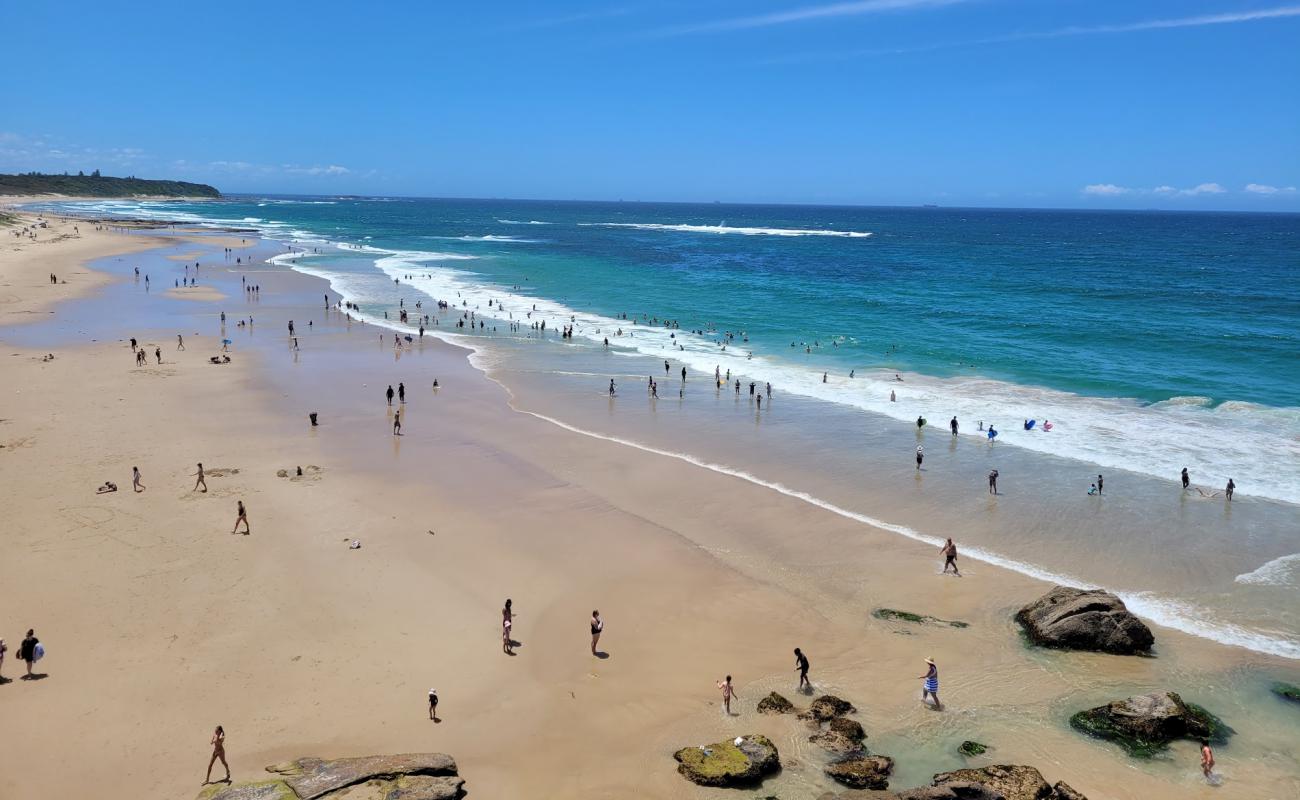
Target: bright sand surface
x=160, y=623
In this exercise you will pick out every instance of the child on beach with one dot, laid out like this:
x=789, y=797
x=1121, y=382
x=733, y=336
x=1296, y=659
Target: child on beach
x=931, y=687
x=728, y=692
x=1207, y=760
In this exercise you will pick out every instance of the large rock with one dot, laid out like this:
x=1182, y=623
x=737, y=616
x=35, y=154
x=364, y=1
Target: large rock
x=741, y=762
x=1084, y=619
x=842, y=735
x=775, y=704
x=411, y=776
x=1012, y=781
x=862, y=771
x=1062, y=791
x=1145, y=724
x=957, y=790
x=826, y=708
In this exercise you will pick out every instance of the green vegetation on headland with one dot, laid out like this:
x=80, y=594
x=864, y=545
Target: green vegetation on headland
x=96, y=185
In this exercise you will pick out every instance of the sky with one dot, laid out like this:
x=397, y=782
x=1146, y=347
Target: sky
x=1172, y=104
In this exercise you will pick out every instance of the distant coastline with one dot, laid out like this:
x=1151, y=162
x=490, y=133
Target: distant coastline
x=98, y=186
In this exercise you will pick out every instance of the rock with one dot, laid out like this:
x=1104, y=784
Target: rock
x=413, y=776
x=1013, y=782
x=1062, y=791
x=1083, y=619
x=848, y=728
x=1287, y=691
x=1145, y=724
x=826, y=708
x=956, y=790
x=894, y=615
x=775, y=704
x=835, y=742
x=862, y=771
x=970, y=749
x=313, y=777
x=728, y=764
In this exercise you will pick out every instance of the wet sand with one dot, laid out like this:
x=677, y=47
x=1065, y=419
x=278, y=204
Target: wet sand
x=160, y=624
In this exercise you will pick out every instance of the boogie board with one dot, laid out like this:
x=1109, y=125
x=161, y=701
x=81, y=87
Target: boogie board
x=38, y=652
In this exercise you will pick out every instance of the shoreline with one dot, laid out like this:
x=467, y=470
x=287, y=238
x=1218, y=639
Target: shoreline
x=720, y=546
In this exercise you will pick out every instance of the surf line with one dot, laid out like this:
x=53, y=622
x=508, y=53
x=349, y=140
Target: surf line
x=1159, y=611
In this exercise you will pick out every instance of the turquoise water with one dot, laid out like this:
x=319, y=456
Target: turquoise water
x=1151, y=341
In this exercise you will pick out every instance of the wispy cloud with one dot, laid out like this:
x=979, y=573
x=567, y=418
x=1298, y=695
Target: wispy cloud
x=1265, y=189
x=1106, y=190
x=1230, y=18
x=853, y=8
x=1112, y=190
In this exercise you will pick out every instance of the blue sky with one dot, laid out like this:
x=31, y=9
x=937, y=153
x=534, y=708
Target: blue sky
x=1065, y=103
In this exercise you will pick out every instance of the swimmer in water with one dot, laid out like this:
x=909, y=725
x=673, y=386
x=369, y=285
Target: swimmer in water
x=920, y=455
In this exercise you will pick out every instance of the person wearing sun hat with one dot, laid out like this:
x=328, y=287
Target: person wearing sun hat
x=931, y=688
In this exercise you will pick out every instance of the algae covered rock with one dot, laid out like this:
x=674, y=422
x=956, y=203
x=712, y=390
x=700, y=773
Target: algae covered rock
x=261, y=790
x=1145, y=724
x=775, y=704
x=1084, y=619
x=956, y=790
x=826, y=708
x=1012, y=781
x=970, y=748
x=848, y=728
x=894, y=615
x=1287, y=691
x=411, y=776
x=862, y=771
x=740, y=762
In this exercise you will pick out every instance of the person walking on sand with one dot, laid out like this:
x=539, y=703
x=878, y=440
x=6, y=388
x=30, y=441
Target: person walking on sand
x=135, y=479
x=728, y=692
x=1100, y=483
x=1229, y=489
x=199, y=480
x=401, y=392
x=180, y=342
x=389, y=394
x=433, y=705
x=597, y=627
x=4, y=648
x=993, y=482
x=1187, y=481
x=157, y=353
x=801, y=666
x=611, y=387
x=949, y=551
x=27, y=651
x=397, y=423
x=920, y=455
x=218, y=752
x=953, y=424
x=243, y=517
x=1207, y=760
x=507, y=626
x=931, y=687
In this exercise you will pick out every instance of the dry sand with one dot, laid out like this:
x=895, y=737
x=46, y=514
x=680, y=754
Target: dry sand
x=161, y=624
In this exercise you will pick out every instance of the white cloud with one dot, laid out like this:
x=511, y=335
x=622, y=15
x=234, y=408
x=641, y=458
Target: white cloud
x=1106, y=189
x=1164, y=190
x=1204, y=188
x=852, y=8
x=1264, y=188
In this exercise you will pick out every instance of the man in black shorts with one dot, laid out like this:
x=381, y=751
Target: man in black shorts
x=801, y=664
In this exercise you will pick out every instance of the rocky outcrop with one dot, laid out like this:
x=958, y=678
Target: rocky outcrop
x=1287, y=691
x=411, y=776
x=826, y=708
x=1012, y=781
x=743, y=761
x=1145, y=724
x=862, y=771
x=841, y=735
x=1062, y=791
x=894, y=615
x=957, y=790
x=775, y=704
x=1084, y=619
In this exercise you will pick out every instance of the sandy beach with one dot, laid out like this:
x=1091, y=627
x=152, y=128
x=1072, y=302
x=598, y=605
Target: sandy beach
x=160, y=623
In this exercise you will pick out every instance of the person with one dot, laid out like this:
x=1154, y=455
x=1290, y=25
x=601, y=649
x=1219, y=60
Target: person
x=218, y=752
x=433, y=705
x=683, y=374
x=4, y=648
x=1231, y=487
x=611, y=387
x=953, y=425
x=801, y=666
x=199, y=479
x=180, y=342
x=1187, y=481
x=27, y=651
x=1100, y=483
x=389, y=394
x=892, y=397
x=728, y=692
x=597, y=627
x=507, y=626
x=920, y=455
x=401, y=392
x=135, y=479
x=397, y=423
x=931, y=687
x=993, y=482
x=992, y=433
x=1207, y=760
x=157, y=353
x=242, y=517
x=920, y=422
x=949, y=551
x=1092, y=490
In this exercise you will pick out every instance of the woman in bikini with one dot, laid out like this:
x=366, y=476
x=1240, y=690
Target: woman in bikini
x=931, y=688
x=200, y=480
x=597, y=626
x=218, y=752
x=728, y=692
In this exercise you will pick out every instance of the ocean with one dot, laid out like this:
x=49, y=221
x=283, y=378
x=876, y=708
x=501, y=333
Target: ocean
x=1149, y=341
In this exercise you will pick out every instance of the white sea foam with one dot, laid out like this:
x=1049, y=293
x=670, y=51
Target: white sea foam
x=724, y=229
x=488, y=238
x=519, y=222
x=1281, y=571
